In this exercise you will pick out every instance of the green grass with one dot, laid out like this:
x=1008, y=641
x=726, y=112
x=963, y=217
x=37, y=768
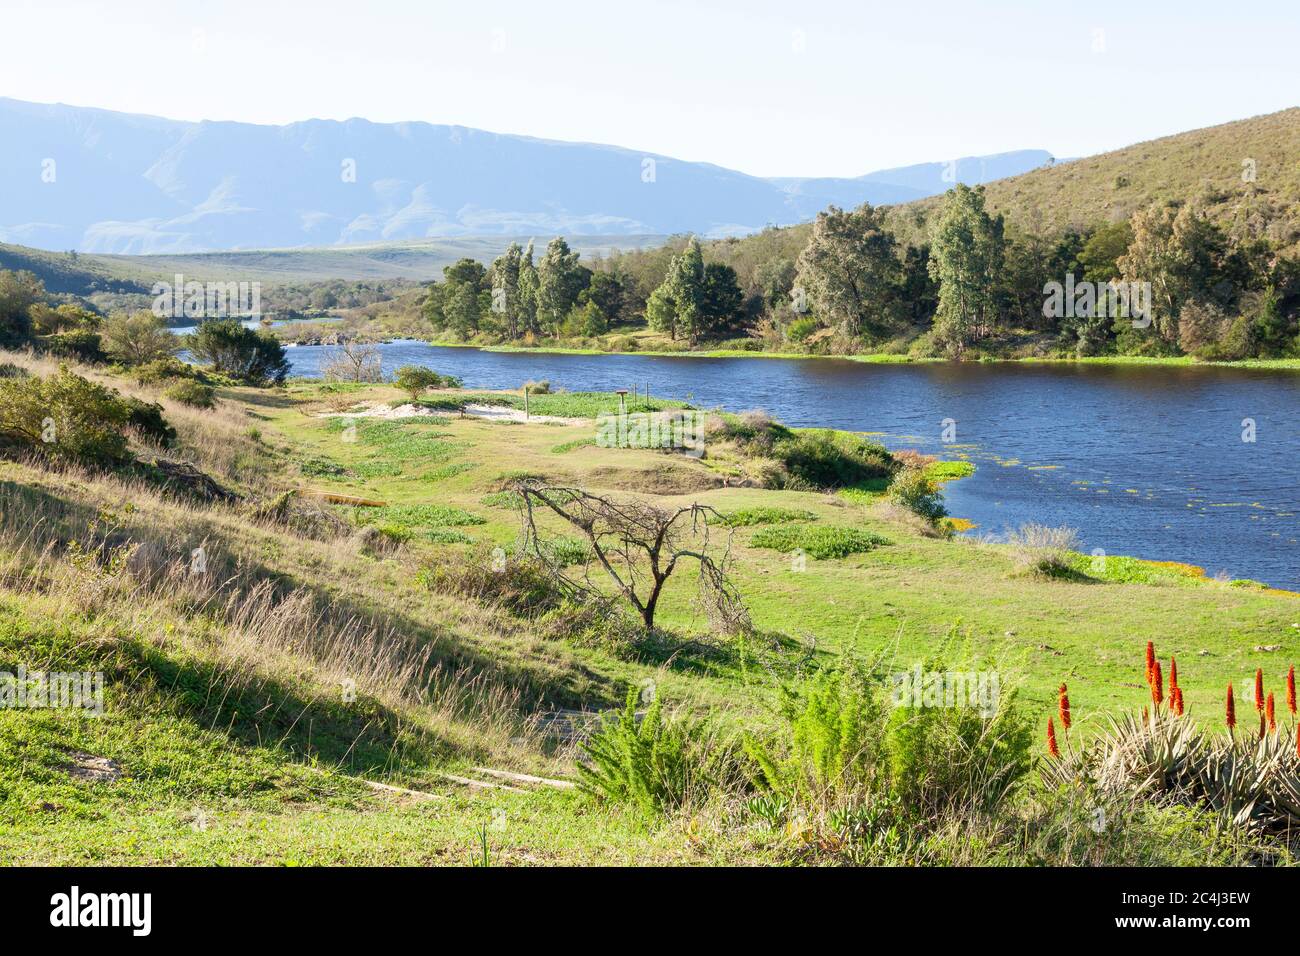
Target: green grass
x=211, y=722
x=818, y=541
x=428, y=521
x=568, y=446
x=745, y=517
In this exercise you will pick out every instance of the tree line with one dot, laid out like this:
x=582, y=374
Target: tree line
x=966, y=283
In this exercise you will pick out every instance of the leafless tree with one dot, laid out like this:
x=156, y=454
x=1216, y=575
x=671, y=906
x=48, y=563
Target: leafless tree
x=353, y=362
x=638, y=546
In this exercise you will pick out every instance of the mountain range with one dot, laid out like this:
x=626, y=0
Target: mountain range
x=107, y=182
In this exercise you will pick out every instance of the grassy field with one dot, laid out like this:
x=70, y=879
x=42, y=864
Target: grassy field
x=252, y=707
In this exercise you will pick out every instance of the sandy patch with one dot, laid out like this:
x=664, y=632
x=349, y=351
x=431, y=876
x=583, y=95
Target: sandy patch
x=496, y=413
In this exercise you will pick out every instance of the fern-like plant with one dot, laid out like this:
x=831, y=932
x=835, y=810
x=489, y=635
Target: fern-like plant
x=654, y=762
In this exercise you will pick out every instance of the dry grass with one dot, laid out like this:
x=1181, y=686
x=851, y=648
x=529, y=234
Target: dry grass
x=1040, y=549
x=78, y=545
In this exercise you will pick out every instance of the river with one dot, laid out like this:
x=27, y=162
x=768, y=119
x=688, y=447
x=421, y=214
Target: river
x=1147, y=461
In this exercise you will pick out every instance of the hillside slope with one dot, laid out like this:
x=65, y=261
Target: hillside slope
x=1246, y=174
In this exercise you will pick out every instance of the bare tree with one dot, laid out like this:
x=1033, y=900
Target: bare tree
x=638, y=546
x=353, y=362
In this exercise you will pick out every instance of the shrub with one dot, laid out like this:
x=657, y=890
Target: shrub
x=831, y=738
x=656, y=763
x=147, y=420
x=415, y=380
x=741, y=345
x=164, y=370
x=746, y=517
x=846, y=742
x=538, y=388
x=801, y=328
x=1043, y=550
x=79, y=345
x=137, y=339
x=190, y=392
x=65, y=417
x=819, y=458
x=956, y=758
x=818, y=541
x=250, y=356
x=827, y=459
x=917, y=492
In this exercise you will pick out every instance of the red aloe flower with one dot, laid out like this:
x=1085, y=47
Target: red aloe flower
x=1065, y=708
x=1052, y=749
x=1230, y=714
x=1176, y=700
x=1173, y=675
x=1290, y=690
x=1259, y=688
x=1157, y=685
x=1272, y=718
x=1151, y=659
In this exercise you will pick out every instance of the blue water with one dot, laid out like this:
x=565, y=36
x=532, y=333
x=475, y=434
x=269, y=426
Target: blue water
x=1144, y=461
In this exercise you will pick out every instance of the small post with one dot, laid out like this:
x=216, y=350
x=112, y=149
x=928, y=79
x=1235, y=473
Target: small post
x=622, y=402
x=525, y=401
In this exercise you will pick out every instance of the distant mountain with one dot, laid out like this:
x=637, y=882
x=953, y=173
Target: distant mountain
x=101, y=181
x=907, y=183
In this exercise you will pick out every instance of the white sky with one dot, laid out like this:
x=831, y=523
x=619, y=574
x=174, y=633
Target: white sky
x=791, y=88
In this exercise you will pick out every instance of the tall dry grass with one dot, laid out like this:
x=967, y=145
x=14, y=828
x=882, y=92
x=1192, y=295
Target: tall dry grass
x=77, y=544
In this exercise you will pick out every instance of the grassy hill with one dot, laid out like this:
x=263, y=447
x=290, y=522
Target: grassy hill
x=1205, y=165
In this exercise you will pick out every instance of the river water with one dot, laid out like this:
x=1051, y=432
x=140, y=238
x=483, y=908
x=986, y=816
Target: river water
x=1147, y=461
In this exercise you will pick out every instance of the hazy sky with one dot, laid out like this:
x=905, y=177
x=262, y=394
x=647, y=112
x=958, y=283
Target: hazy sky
x=792, y=88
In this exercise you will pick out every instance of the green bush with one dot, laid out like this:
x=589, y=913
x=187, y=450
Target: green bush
x=416, y=380
x=830, y=741
x=956, y=758
x=164, y=370
x=66, y=417
x=245, y=354
x=818, y=541
x=847, y=741
x=747, y=517
x=657, y=763
x=190, y=392
x=913, y=490
x=138, y=339
x=818, y=458
x=801, y=328
x=828, y=459
x=79, y=345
